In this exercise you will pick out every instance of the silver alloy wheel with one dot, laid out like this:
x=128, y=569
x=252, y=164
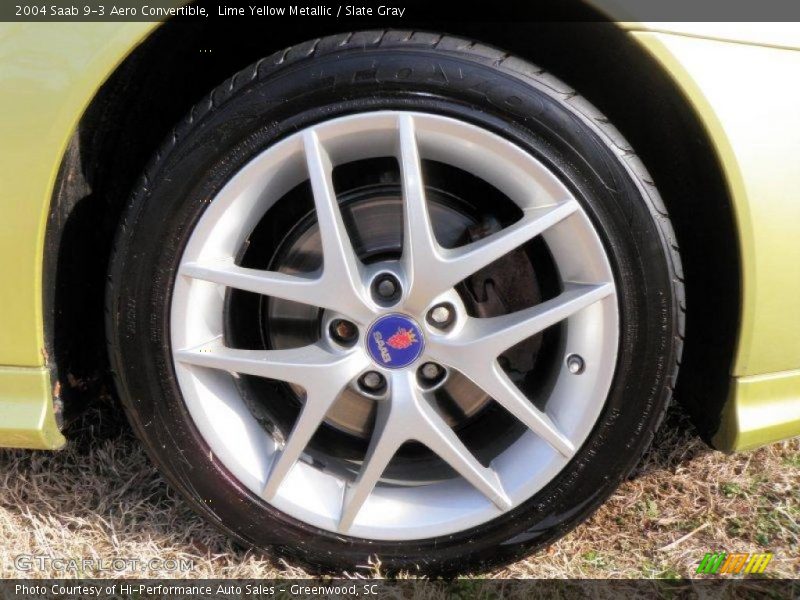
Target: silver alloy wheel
x=277, y=471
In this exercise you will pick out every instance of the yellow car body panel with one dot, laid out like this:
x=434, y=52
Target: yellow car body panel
x=753, y=119
x=27, y=418
x=761, y=409
x=49, y=73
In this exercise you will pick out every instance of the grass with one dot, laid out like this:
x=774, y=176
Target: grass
x=101, y=498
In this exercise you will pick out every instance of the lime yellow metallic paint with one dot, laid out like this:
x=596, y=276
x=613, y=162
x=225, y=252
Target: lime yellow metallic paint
x=748, y=97
x=49, y=72
x=762, y=409
x=26, y=409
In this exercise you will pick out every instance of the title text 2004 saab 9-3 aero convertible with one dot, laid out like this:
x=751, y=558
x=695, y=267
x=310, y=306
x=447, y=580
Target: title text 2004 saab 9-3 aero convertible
x=419, y=295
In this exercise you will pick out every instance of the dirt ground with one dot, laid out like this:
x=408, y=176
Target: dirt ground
x=101, y=498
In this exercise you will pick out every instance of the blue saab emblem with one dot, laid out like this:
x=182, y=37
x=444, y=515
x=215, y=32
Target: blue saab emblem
x=394, y=341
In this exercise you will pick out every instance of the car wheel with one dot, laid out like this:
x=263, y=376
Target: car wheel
x=396, y=295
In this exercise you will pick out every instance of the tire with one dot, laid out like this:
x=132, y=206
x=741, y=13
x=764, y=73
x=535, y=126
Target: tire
x=356, y=73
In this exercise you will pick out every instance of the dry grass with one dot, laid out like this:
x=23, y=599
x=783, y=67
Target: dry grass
x=101, y=498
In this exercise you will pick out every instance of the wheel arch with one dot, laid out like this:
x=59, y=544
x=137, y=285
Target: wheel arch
x=137, y=106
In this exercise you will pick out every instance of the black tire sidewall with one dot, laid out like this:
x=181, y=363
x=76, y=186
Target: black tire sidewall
x=205, y=153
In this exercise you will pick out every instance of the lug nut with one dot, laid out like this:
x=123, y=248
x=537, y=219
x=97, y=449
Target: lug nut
x=431, y=374
x=431, y=370
x=372, y=381
x=575, y=364
x=386, y=288
x=343, y=331
x=441, y=315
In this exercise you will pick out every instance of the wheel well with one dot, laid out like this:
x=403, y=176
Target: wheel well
x=157, y=84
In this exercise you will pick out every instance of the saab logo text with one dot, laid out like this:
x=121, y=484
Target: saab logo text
x=384, y=352
x=735, y=563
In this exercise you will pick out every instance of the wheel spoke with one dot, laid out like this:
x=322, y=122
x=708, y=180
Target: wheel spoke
x=319, y=399
x=494, y=335
x=267, y=283
x=475, y=350
x=437, y=435
x=431, y=269
x=341, y=269
x=386, y=440
x=322, y=374
x=462, y=262
x=420, y=249
x=297, y=365
x=340, y=287
x=408, y=416
x=498, y=385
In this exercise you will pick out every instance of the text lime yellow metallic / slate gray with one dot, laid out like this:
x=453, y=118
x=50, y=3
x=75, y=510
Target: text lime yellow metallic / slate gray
x=49, y=73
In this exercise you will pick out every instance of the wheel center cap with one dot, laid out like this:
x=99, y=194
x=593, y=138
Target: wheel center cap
x=395, y=341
